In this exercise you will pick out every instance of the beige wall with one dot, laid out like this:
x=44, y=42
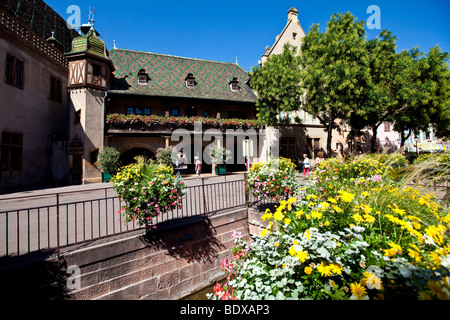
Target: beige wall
x=90, y=129
x=30, y=112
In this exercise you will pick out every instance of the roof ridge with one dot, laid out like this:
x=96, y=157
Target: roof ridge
x=174, y=56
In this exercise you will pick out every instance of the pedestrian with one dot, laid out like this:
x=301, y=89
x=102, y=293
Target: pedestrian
x=305, y=165
x=198, y=166
x=319, y=157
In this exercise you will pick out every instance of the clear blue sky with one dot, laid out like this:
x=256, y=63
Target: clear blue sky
x=222, y=30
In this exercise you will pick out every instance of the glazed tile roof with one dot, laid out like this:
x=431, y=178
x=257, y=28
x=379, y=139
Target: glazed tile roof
x=89, y=43
x=167, y=76
x=41, y=18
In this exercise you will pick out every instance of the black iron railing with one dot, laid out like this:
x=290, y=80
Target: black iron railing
x=54, y=221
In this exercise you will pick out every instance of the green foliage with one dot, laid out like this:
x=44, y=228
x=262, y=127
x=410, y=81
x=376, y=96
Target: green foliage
x=147, y=189
x=220, y=155
x=167, y=156
x=335, y=70
x=277, y=84
x=108, y=159
x=274, y=180
x=354, y=234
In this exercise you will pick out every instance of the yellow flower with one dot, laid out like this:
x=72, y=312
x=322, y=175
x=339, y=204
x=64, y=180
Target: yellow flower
x=307, y=234
x=299, y=213
x=358, y=290
x=336, y=268
x=414, y=254
x=365, y=194
x=368, y=218
x=332, y=200
x=278, y=215
x=308, y=270
x=399, y=211
x=302, y=255
x=276, y=244
x=327, y=223
x=358, y=217
x=264, y=232
x=325, y=271
x=346, y=196
x=287, y=221
x=335, y=208
x=316, y=214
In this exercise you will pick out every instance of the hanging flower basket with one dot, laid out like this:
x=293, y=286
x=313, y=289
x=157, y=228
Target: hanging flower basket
x=147, y=190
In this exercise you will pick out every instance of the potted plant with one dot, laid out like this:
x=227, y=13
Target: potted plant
x=108, y=161
x=219, y=158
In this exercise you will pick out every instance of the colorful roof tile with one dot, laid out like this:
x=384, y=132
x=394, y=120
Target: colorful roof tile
x=167, y=76
x=89, y=43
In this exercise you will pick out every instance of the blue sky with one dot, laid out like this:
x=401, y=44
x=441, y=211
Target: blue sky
x=222, y=30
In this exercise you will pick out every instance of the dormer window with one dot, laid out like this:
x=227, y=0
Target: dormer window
x=234, y=84
x=142, y=77
x=190, y=81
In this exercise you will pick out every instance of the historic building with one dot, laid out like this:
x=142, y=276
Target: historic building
x=33, y=99
x=307, y=135
x=135, y=101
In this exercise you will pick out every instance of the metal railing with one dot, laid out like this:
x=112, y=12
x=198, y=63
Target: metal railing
x=54, y=221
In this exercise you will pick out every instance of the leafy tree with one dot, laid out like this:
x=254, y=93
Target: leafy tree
x=423, y=96
x=379, y=104
x=277, y=84
x=335, y=70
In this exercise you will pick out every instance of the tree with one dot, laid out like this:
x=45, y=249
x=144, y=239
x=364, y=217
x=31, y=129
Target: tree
x=335, y=70
x=379, y=103
x=277, y=84
x=423, y=96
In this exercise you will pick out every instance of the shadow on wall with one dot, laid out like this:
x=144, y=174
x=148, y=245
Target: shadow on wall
x=198, y=244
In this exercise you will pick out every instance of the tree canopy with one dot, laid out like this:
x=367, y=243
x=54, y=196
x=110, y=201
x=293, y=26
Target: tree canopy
x=277, y=85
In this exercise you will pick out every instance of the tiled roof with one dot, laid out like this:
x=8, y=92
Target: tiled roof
x=89, y=43
x=40, y=18
x=167, y=76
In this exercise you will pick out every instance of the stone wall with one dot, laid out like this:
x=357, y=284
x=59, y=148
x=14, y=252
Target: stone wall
x=169, y=265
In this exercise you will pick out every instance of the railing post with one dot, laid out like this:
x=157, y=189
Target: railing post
x=57, y=224
x=204, y=198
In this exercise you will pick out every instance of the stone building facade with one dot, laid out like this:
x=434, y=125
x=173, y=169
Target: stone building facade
x=33, y=108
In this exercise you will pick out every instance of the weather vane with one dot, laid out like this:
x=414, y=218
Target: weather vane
x=91, y=21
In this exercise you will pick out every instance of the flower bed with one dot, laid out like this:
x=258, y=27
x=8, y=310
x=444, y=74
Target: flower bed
x=151, y=120
x=147, y=190
x=273, y=180
x=355, y=234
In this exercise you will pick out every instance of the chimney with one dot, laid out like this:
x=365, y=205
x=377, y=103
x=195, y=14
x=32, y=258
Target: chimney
x=293, y=14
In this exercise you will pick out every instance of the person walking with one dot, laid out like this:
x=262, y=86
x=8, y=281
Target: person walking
x=305, y=165
x=198, y=166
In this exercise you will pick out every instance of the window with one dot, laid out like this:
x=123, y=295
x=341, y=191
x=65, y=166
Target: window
x=14, y=71
x=234, y=84
x=11, y=151
x=138, y=110
x=190, y=81
x=387, y=127
x=96, y=70
x=175, y=112
x=142, y=77
x=288, y=148
x=294, y=36
x=55, y=89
